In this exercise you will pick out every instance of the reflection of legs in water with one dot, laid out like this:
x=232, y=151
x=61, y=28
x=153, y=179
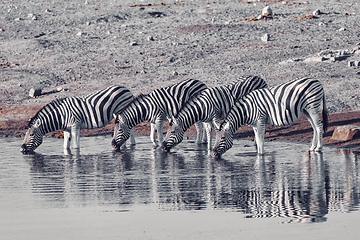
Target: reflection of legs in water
x=314, y=190
x=351, y=192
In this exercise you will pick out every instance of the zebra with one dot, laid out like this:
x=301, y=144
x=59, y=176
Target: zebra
x=74, y=113
x=210, y=106
x=155, y=107
x=278, y=106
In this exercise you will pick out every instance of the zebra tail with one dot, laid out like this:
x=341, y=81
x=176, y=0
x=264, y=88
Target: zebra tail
x=325, y=115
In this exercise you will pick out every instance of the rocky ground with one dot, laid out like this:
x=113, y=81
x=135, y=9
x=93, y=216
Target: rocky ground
x=79, y=47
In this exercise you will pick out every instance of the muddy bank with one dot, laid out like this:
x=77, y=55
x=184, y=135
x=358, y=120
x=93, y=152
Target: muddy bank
x=301, y=131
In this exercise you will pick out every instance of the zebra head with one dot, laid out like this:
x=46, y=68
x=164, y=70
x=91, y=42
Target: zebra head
x=224, y=139
x=174, y=136
x=33, y=137
x=121, y=132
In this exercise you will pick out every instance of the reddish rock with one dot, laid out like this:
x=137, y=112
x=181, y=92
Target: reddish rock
x=346, y=133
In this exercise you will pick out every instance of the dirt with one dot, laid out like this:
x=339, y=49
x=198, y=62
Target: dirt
x=84, y=46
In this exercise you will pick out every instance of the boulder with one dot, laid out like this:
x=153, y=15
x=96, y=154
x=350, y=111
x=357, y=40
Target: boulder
x=346, y=133
x=34, y=92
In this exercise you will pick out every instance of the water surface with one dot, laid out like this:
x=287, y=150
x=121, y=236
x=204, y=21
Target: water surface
x=287, y=185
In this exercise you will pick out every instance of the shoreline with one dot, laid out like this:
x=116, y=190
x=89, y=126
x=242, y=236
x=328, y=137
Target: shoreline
x=300, y=131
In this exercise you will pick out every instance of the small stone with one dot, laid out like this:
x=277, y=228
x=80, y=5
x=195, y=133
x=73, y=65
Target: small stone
x=314, y=59
x=59, y=89
x=267, y=10
x=150, y=38
x=342, y=29
x=34, y=92
x=317, y=12
x=79, y=34
x=175, y=73
x=133, y=44
x=265, y=37
x=346, y=133
x=351, y=63
x=357, y=63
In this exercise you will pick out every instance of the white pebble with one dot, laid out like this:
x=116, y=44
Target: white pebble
x=267, y=10
x=265, y=37
x=317, y=12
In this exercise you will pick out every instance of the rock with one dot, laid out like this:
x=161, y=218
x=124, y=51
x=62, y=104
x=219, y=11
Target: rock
x=346, y=133
x=60, y=89
x=314, y=59
x=267, y=10
x=34, y=92
x=342, y=29
x=265, y=37
x=150, y=38
x=317, y=12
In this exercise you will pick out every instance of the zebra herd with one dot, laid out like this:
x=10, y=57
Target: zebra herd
x=245, y=101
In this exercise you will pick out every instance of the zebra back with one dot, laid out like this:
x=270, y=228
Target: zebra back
x=171, y=99
x=98, y=109
x=246, y=85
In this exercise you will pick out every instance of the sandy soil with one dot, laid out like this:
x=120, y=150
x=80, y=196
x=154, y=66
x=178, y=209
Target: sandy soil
x=83, y=46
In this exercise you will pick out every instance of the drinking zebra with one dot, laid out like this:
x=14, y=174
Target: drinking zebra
x=210, y=106
x=279, y=106
x=74, y=113
x=155, y=107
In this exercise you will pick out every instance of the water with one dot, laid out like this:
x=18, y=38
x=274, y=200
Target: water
x=287, y=185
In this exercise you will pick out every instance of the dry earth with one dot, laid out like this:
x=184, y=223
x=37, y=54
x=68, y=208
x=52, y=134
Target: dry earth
x=83, y=46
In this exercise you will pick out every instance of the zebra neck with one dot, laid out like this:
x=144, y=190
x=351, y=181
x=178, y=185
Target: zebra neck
x=239, y=115
x=51, y=123
x=193, y=112
x=136, y=112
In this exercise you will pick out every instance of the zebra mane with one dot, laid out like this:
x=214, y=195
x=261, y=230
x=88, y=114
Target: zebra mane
x=47, y=108
x=132, y=100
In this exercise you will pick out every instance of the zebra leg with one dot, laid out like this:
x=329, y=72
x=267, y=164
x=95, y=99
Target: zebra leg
x=208, y=129
x=132, y=137
x=260, y=135
x=160, y=129
x=67, y=139
x=75, y=135
x=316, y=124
x=199, y=132
x=153, y=134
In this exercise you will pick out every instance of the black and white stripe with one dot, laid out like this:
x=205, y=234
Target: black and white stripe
x=155, y=107
x=279, y=106
x=74, y=113
x=210, y=106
